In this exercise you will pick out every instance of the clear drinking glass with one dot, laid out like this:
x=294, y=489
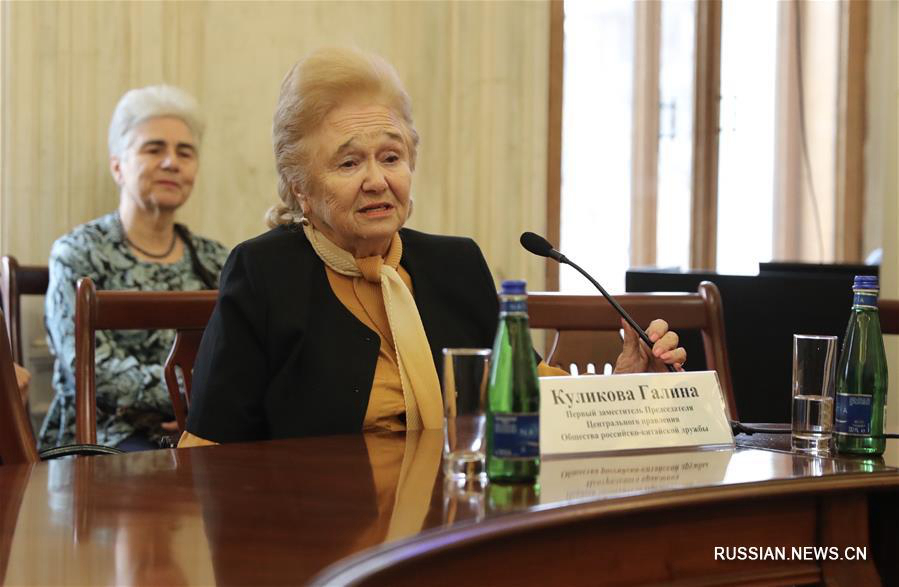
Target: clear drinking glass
x=465, y=374
x=814, y=372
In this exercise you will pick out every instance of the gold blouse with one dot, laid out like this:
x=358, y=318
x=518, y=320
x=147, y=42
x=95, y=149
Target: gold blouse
x=386, y=406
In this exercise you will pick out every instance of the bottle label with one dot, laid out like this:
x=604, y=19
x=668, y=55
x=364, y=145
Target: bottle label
x=865, y=299
x=853, y=414
x=513, y=306
x=516, y=436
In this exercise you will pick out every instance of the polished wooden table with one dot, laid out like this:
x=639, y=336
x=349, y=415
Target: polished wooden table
x=374, y=509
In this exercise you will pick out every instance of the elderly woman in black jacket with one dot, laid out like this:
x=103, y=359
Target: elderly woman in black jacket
x=333, y=321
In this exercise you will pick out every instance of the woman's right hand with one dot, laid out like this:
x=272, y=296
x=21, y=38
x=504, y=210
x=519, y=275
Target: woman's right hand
x=635, y=357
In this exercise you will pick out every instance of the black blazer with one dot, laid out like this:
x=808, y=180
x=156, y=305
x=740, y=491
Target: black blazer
x=282, y=357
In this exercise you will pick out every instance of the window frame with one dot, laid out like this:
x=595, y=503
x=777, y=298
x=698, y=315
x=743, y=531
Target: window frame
x=851, y=134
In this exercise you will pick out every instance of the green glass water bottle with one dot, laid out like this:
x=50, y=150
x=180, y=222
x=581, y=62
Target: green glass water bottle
x=513, y=398
x=860, y=408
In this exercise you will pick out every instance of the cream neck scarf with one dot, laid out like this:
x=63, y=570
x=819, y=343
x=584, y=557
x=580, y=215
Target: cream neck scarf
x=418, y=377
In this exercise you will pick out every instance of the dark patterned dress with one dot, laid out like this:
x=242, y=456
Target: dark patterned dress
x=131, y=393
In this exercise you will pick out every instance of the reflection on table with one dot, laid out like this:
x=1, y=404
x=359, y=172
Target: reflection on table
x=597, y=477
x=281, y=512
x=71, y=530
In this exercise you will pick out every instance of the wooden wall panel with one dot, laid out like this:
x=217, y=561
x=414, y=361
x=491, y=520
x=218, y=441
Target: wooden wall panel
x=851, y=132
x=556, y=69
x=477, y=73
x=881, y=179
x=645, y=147
x=706, y=106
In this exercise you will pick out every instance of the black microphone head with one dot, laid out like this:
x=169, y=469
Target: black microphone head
x=536, y=244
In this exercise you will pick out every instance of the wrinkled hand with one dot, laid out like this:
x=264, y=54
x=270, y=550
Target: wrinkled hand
x=23, y=378
x=635, y=356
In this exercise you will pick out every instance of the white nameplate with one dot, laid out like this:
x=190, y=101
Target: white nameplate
x=589, y=414
x=588, y=477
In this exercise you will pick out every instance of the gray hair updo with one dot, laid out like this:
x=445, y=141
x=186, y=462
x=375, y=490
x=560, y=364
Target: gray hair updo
x=312, y=88
x=142, y=104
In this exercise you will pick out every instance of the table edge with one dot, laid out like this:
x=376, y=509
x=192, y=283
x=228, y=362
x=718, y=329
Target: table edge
x=354, y=568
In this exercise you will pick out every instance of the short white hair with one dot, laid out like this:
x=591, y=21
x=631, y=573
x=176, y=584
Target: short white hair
x=142, y=104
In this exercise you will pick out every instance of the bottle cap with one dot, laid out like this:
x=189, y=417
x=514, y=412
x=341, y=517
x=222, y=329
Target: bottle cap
x=866, y=282
x=514, y=287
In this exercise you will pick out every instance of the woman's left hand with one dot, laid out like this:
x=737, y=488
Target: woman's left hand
x=635, y=357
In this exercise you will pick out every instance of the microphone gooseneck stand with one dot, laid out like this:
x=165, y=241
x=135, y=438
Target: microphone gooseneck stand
x=536, y=244
x=541, y=247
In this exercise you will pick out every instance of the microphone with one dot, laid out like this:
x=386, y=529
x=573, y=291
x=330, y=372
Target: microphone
x=536, y=244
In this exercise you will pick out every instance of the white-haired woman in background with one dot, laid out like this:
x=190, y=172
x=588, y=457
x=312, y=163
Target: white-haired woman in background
x=154, y=140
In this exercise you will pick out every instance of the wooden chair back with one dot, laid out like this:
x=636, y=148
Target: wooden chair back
x=889, y=316
x=181, y=362
x=16, y=281
x=575, y=318
x=16, y=436
x=127, y=310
